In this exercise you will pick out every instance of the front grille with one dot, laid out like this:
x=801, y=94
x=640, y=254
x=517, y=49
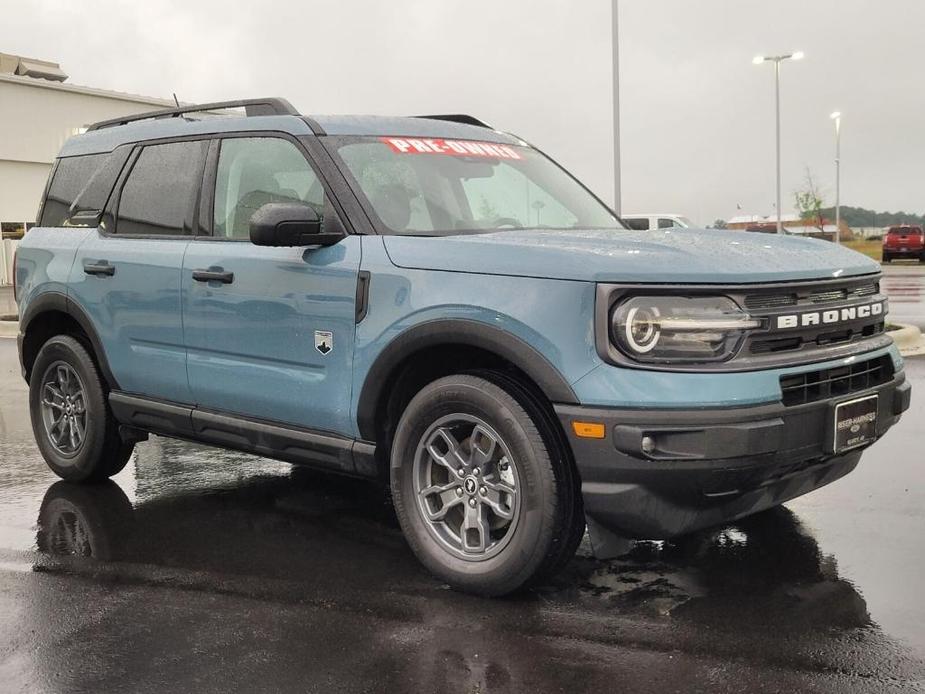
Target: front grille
x=864, y=290
x=759, y=301
x=762, y=345
x=812, y=386
x=826, y=296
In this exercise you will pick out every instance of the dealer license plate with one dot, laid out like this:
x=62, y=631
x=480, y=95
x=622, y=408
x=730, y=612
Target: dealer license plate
x=855, y=423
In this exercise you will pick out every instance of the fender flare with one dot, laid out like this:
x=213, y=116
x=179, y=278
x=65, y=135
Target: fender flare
x=455, y=332
x=57, y=301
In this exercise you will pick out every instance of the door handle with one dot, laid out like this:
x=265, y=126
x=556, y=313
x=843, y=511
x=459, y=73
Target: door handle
x=100, y=268
x=217, y=275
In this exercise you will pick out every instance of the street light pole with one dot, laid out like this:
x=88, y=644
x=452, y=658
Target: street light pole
x=837, y=118
x=780, y=224
x=777, y=60
x=615, y=47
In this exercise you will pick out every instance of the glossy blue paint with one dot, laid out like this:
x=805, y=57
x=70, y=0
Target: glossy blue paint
x=251, y=343
x=136, y=311
x=43, y=263
x=669, y=255
x=554, y=317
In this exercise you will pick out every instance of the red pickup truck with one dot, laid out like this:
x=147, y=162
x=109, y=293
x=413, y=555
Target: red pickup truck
x=904, y=241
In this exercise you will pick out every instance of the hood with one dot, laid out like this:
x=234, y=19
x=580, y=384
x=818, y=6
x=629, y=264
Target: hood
x=665, y=255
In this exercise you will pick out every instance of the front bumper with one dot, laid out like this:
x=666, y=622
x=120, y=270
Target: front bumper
x=710, y=466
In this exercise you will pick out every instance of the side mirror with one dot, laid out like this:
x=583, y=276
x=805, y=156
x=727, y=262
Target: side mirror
x=289, y=224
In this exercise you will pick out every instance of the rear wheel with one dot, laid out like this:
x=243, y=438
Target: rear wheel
x=886, y=258
x=480, y=490
x=71, y=420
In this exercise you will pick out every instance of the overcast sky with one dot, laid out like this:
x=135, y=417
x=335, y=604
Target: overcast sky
x=697, y=116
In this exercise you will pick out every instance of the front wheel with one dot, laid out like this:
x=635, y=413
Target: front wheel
x=479, y=486
x=71, y=421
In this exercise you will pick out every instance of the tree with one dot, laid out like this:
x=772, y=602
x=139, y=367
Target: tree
x=809, y=201
x=718, y=224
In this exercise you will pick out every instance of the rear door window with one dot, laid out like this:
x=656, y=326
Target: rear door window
x=160, y=192
x=71, y=176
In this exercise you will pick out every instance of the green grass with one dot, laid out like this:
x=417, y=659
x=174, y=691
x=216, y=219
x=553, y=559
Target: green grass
x=872, y=249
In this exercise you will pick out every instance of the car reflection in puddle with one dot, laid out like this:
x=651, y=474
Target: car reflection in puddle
x=761, y=572
x=307, y=536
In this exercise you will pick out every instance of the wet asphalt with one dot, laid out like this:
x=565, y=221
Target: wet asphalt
x=201, y=570
x=904, y=284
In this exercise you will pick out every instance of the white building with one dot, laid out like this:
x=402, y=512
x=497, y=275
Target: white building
x=39, y=112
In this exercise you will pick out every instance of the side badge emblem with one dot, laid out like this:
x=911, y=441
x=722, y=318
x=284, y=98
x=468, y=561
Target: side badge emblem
x=324, y=341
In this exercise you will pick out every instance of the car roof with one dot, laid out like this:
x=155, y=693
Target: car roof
x=107, y=136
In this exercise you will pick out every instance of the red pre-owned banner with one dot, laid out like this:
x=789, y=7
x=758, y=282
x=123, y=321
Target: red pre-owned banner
x=457, y=148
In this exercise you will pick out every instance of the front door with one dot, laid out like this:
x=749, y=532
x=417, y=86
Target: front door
x=272, y=338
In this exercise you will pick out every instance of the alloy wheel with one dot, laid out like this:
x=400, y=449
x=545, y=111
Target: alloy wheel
x=64, y=409
x=467, y=486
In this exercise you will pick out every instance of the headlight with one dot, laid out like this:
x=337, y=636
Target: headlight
x=665, y=329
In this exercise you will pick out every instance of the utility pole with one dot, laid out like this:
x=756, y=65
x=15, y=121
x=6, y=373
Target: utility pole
x=837, y=118
x=615, y=47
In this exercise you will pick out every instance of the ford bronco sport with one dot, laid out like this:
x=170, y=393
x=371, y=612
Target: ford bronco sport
x=438, y=303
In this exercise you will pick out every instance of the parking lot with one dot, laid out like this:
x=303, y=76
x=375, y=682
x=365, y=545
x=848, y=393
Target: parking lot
x=904, y=283
x=202, y=570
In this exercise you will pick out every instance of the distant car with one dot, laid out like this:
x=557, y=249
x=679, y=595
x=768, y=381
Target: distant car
x=645, y=222
x=904, y=241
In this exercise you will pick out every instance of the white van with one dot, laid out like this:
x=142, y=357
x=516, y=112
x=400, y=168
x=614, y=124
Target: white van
x=644, y=222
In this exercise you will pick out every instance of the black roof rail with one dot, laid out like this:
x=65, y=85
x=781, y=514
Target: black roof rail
x=459, y=118
x=272, y=106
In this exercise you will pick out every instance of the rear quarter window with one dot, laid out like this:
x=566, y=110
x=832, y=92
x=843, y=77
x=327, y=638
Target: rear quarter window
x=70, y=177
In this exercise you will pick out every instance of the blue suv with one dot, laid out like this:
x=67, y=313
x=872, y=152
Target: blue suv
x=434, y=302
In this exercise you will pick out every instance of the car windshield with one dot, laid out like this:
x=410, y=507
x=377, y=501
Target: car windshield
x=440, y=187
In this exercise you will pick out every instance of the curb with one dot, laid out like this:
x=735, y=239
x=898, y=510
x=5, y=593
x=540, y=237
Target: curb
x=909, y=340
x=9, y=328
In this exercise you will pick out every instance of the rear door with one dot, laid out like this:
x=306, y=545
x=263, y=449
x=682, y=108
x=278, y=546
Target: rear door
x=273, y=340
x=127, y=274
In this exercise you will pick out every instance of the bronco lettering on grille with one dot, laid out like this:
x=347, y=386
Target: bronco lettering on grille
x=809, y=318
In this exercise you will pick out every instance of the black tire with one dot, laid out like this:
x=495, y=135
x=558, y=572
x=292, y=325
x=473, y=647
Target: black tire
x=886, y=258
x=541, y=534
x=101, y=452
x=569, y=481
